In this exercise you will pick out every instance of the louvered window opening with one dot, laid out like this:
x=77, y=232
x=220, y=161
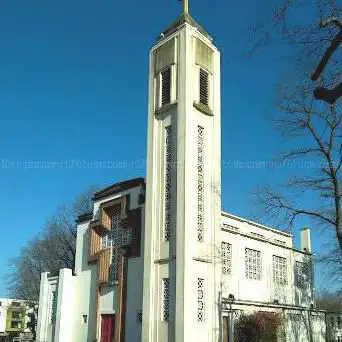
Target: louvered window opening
x=204, y=87
x=166, y=87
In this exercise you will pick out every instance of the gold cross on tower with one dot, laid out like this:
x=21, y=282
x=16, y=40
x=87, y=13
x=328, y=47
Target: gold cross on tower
x=186, y=7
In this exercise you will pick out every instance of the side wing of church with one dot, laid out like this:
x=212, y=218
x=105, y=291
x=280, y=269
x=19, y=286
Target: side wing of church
x=156, y=259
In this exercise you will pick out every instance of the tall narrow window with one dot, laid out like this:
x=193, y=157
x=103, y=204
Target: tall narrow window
x=200, y=184
x=200, y=300
x=332, y=322
x=105, y=241
x=14, y=325
x=166, y=299
x=204, y=87
x=226, y=255
x=165, y=86
x=302, y=274
x=168, y=182
x=118, y=237
x=253, y=264
x=15, y=314
x=279, y=270
x=53, y=308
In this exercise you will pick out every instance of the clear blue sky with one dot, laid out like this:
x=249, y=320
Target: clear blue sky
x=73, y=88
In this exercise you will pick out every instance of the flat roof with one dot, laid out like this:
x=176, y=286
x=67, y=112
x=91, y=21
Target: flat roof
x=252, y=223
x=118, y=187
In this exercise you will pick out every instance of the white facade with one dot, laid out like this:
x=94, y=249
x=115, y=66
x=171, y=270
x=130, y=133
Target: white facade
x=277, y=279
x=169, y=266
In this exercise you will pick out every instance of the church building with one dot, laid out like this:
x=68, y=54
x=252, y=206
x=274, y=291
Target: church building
x=157, y=260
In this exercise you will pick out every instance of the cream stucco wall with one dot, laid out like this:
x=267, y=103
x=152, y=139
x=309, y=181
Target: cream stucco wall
x=85, y=288
x=65, y=306
x=45, y=326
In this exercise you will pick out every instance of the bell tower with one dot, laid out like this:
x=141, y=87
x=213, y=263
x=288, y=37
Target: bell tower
x=183, y=186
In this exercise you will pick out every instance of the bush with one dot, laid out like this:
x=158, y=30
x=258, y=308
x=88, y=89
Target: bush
x=257, y=327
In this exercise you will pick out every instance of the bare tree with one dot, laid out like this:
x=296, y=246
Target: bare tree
x=330, y=301
x=321, y=93
x=313, y=31
x=52, y=249
x=318, y=133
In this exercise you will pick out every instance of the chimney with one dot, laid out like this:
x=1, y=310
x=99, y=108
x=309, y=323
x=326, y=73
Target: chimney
x=305, y=241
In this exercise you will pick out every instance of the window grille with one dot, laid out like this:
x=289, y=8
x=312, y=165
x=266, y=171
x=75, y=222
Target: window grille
x=226, y=255
x=114, y=268
x=166, y=299
x=295, y=317
x=53, y=310
x=117, y=238
x=15, y=314
x=200, y=300
x=166, y=86
x=253, y=264
x=204, y=87
x=258, y=235
x=302, y=274
x=168, y=182
x=126, y=237
x=279, y=270
x=15, y=325
x=228, y=226
x=200, y=184
x=105, y=241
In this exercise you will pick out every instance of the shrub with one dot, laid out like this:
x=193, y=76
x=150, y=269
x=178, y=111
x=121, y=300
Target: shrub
x=257, y=327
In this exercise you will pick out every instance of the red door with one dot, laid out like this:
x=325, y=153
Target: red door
x=107, y=328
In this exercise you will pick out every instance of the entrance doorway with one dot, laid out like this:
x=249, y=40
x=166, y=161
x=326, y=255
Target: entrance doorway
x=225, y=329
x=107, y=328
